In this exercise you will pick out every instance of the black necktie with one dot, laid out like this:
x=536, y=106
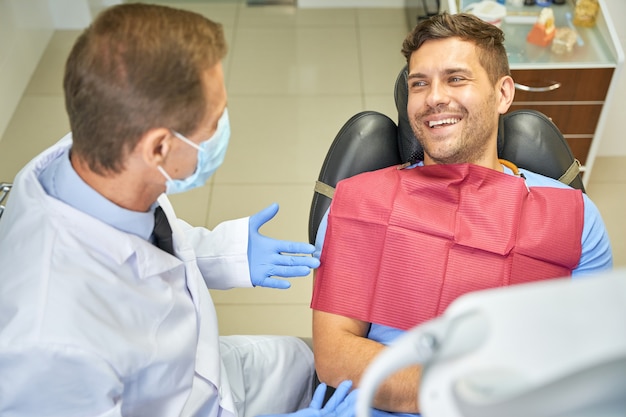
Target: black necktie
x=162, y=231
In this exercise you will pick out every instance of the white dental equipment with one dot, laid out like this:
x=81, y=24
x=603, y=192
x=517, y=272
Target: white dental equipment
x=550, y=349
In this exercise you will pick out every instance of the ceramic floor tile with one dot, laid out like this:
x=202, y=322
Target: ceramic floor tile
x=608, y=169
x=382, y=103
x=290, y=223
x=254, y=319
x=289, y=16
x=294, y=61
x=193, y=206
x=224, y=12
x=38, y=122
x=236, y=201
x=178, y=3
x=221, y=12
x=394, y=17
x=175, y=3
x=611, y=201
x=48, y=77
x=282, y=139
x=300, y=292
x=381, y=58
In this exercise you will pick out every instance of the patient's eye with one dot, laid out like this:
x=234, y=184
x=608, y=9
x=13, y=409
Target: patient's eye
x=418, y=83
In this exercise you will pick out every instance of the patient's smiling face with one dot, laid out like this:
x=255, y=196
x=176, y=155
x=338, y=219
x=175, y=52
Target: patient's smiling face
x=452, y=105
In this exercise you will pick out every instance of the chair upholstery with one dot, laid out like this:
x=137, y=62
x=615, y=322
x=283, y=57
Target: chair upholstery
x=370, y=140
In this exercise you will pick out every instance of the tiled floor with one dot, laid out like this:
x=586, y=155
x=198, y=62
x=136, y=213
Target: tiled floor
x=294, y=76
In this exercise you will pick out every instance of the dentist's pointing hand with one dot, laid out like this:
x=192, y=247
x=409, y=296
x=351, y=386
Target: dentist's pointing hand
x=270, y=258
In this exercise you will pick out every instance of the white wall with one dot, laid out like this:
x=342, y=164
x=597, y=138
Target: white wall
x=613, y=142
x=25, y=29
x=70, y=14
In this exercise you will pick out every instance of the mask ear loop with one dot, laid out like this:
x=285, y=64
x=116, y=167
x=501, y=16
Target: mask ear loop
x=165, y=174
x=195, y=145
x=184, y=139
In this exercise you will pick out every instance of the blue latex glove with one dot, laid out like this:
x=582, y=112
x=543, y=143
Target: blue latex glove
x=341, y=404
x=271, y=257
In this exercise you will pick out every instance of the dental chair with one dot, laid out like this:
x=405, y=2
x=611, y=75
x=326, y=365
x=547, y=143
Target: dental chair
x=5, y=187
x=370, y=140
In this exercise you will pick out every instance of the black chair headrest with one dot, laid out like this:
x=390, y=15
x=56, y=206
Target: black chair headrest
x=410, y=148
x=527, y=138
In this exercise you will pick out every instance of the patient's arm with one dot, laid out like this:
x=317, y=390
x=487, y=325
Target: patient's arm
x=343, y=351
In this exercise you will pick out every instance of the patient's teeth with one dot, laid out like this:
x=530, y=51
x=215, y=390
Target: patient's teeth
x=442, y=122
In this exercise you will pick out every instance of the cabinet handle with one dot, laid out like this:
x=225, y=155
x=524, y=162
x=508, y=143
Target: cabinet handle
x=538, y=89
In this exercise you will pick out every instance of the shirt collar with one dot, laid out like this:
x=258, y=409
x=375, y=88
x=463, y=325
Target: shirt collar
x=506, y=169
x=60, y=180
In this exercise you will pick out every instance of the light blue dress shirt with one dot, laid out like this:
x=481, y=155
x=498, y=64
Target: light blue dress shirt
x=60, y=180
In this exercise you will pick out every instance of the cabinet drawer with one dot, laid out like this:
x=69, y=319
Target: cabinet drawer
x=577, y=119
x=589, y=84
x=580, y=147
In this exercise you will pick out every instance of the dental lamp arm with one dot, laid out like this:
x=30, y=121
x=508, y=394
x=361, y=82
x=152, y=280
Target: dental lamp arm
x=500, y=352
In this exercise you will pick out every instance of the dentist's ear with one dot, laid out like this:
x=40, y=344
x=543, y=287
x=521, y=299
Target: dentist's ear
x=155, y=145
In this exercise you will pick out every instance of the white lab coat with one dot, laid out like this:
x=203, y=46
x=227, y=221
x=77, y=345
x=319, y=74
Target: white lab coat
x=95, y=321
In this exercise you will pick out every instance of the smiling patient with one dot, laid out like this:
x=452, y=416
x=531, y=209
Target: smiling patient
x=400, y=244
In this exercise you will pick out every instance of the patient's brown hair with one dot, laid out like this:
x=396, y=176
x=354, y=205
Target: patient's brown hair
x=488, y=38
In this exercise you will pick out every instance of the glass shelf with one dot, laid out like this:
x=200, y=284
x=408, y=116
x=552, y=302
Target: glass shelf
x=596, y=51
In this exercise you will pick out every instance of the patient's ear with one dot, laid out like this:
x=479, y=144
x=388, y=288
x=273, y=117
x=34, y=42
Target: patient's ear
x=506, y=93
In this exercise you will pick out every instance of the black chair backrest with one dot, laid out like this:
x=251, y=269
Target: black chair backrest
x=366, y=142
x=371, y=141
x=531, y=141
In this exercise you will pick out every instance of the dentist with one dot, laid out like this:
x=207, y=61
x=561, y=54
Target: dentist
x=104, y=301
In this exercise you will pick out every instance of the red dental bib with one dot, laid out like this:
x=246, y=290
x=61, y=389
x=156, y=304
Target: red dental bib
x=402, y=244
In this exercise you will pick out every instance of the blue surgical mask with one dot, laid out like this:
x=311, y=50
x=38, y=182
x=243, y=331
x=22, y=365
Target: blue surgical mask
x=211, y=154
